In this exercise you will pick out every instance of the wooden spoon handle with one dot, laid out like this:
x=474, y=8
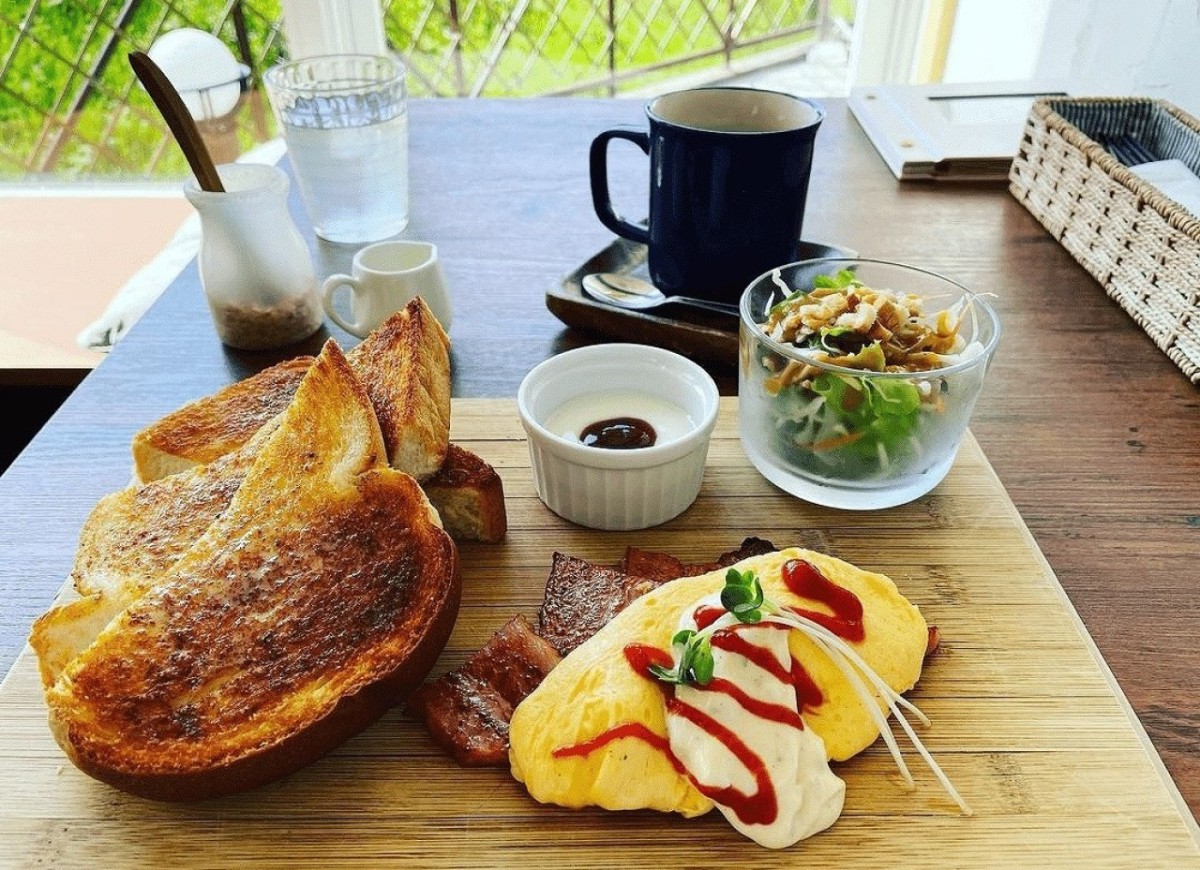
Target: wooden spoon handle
x=179, y=119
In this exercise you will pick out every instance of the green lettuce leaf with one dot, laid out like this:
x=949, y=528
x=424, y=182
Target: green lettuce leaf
x=875, y=412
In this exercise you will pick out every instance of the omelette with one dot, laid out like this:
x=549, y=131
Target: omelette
x=596, y=731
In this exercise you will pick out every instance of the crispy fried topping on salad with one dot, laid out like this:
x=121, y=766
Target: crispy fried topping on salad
x=845, y=323
x=855, y=425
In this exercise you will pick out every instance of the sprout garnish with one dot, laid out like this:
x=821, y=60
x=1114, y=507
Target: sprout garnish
x=695, y=659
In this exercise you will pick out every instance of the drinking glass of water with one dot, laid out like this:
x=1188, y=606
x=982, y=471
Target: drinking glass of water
x=346, y=124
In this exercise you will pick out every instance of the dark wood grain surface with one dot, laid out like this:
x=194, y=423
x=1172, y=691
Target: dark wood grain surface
x=1093, y=431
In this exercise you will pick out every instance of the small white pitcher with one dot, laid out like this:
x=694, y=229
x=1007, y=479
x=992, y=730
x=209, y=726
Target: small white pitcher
x=387, y=276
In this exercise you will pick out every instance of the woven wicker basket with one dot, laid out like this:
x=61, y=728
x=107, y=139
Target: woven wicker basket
x=1141, y=246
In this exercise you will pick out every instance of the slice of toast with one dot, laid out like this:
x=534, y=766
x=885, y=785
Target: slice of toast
x=466, y=490
x=140, y=532
x=130, y=542
x=318, y=599
x=209, y=428
x=132, y=538
x=469, y=496
x=404, y=365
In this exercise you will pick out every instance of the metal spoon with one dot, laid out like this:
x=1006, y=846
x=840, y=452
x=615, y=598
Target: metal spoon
x=625, y=291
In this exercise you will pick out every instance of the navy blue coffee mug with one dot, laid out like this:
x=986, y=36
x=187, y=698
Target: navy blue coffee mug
x=729, y=172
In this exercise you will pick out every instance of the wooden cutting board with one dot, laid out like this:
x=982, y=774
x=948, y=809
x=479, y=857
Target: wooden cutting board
x=1027, y=719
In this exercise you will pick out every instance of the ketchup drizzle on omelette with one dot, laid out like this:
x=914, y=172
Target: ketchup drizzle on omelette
x=706, y=615
x=808, y=693
x=761, y=709
x=633, y=730
x=759, y=807
x=642, y=657
x=804, y=580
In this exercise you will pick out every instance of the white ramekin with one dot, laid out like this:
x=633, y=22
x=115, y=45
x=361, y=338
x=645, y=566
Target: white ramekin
x=617, y=489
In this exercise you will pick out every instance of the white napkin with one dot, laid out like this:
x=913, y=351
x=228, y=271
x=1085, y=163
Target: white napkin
x=140, y=291
x=1174, y=179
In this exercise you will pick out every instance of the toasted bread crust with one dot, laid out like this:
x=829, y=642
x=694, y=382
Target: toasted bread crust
x=469, y=496
x=317, y=600
x=405, y=365
x=215, y=425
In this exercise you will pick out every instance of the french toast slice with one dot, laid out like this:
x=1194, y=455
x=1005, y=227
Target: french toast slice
x=404, y=365
x=318, y=599
x=211, y=427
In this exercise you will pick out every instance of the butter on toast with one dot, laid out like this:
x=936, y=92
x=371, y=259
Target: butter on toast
x=469, y=496
x=404, y=365
x=317, y=600
x=215, y=425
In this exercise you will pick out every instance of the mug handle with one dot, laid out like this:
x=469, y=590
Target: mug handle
x=332, y=283
x=598, y=164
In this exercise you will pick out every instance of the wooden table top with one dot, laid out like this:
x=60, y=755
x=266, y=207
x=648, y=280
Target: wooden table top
x=1092, y=430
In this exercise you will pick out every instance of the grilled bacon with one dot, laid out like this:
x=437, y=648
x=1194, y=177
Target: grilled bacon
x=581, y=598
x=663, y=567
x=468, y=709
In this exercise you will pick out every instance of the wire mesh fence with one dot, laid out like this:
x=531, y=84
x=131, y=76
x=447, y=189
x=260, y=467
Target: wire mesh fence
x=70, y=106
x=69, y=103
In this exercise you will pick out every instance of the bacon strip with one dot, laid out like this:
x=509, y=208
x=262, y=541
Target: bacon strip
x=581, y=598
x=662, y=567
x=467, y=710
x=931, y=644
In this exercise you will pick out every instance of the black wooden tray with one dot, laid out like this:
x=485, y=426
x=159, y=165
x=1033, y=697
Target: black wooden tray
x=699, y=335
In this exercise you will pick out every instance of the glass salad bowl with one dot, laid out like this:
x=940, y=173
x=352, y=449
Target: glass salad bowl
x=857, y=378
